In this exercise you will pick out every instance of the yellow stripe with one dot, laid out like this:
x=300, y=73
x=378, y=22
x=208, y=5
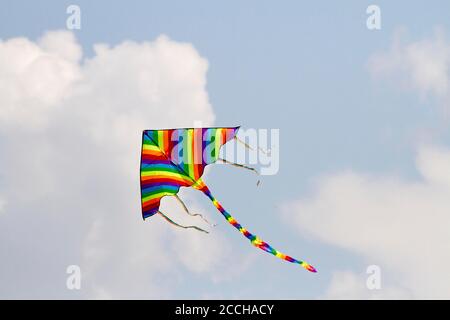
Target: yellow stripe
x=189, y=148
x=161, y=140
x=150, y=147
x=257, y=241
x=218, y=141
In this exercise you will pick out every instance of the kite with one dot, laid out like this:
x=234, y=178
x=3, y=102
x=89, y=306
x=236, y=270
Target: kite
x=175, y=158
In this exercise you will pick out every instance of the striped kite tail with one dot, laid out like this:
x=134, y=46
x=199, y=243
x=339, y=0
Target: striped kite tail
x=257, y=242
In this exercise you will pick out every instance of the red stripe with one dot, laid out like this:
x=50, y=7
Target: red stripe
x=151, y=204
x=149, y=157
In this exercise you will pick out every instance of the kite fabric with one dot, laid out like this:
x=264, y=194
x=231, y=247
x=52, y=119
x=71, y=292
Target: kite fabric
x=174, y=158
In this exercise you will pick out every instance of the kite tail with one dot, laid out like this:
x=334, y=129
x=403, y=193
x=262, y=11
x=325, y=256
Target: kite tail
x=257, y=242
x=179, y=225
x=192, y=214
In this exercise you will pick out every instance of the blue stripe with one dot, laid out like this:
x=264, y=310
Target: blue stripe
x=157, y=188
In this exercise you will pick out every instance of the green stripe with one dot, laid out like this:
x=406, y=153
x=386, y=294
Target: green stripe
x=190, y=160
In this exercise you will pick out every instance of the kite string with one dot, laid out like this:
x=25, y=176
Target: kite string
x=179, y=225
x=192, y=214
x=257, y=242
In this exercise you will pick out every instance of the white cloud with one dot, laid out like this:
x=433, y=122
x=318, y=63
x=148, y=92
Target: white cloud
x=398, y=224
x=346, y=285
x=35, y=78
x=70, y=136
x=423, y=65
x=2, y=204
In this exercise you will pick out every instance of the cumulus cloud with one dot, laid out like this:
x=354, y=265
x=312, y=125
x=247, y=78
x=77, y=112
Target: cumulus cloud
x=422, y=65
x=70, y=133
x=35, y=78
x=401, y=225
x=347, y=285
x=2, y=204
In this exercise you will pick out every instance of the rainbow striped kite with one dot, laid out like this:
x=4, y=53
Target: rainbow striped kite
x=174, y=158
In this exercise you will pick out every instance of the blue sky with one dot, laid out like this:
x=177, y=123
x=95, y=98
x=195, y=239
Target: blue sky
x=301, y=67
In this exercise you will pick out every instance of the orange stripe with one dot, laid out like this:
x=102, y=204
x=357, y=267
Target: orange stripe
x=151, y=152
x=165, y=147
x=224, y=136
